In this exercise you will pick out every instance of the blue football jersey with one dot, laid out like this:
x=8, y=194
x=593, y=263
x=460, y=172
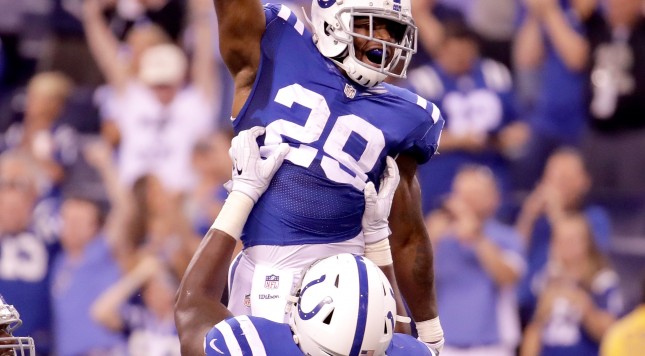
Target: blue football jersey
x=480, y=102
x=249, y=335
x=25, y=266
x=339, y=133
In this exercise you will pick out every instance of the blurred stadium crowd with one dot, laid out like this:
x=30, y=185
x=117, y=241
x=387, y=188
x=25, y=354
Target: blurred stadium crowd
x=114, y=131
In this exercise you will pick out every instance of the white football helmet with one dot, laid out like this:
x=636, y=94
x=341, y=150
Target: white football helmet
x=344, y=306
x=333, y=25
x=9, y=344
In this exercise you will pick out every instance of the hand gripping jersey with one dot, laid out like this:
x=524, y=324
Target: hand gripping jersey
x=339, y=133
x=249, y=335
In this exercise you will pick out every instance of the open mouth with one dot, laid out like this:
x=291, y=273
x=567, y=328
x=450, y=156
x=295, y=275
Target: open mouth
x=376, y=56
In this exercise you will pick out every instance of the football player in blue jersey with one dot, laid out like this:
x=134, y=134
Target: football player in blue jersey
x=344, y=304
x=11, y=345
x=322, y=93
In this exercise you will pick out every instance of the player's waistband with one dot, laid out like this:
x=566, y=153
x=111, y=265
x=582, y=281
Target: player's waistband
x=300, y=256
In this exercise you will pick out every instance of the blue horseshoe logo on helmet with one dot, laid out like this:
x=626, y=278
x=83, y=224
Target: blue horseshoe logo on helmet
x=316, y=309
x=326, y=3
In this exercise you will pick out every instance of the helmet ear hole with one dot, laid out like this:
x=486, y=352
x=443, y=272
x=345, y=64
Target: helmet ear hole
x=337, y=280
x=328, y=28
x=328, y=318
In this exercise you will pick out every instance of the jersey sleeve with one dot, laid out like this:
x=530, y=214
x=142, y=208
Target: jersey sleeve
x=424, y=142
x=215, y=343
x=279, y=18
x=248, y=335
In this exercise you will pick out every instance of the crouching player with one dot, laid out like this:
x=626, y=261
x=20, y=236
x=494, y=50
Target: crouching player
x=344, y=304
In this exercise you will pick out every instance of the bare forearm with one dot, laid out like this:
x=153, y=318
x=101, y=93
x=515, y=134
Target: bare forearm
x=121, y=214
x=198, y=305
x=525, y=224
x=411, y=248
x=415, y=276
x=572, y=47
x=528, y=48
x=103, y=45
x=531, y=341
x=596, y=322
x=106, y=308
x=431, y=31
x=494, y=263
x=203, y=68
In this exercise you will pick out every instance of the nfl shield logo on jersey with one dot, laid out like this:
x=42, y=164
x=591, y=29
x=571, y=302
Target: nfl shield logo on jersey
x=350, y=91
x=272, y=282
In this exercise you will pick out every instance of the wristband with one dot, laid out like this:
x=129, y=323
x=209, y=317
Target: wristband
x=379, y=252
x=430, y=330
x=232, y=217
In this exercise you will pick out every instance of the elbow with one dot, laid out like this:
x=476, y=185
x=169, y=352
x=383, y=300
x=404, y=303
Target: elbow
x=507, y=280
x=506, y=277
x=105, y=317
x=577, y=60
x=527, y=61
x=527, y=53
x=577, y=63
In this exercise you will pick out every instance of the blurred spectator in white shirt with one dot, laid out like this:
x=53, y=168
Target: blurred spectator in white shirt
x=159, y=116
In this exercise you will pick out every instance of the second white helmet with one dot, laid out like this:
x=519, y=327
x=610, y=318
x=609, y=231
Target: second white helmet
x=345, y=306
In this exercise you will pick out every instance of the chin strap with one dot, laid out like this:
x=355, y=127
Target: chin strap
x=360, y=74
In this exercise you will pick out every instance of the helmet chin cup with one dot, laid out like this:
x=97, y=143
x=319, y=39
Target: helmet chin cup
x=362, y=75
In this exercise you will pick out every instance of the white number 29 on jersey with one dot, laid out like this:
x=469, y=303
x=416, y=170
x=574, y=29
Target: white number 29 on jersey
x=340, y=133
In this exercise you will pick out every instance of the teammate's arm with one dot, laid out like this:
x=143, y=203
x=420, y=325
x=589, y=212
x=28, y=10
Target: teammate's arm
x=412, y=253
x=198, y=305
x=241, y=26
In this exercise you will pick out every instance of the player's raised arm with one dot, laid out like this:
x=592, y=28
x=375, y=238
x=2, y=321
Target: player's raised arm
x=412, y=254
x=198, y=305
x=241, y=26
